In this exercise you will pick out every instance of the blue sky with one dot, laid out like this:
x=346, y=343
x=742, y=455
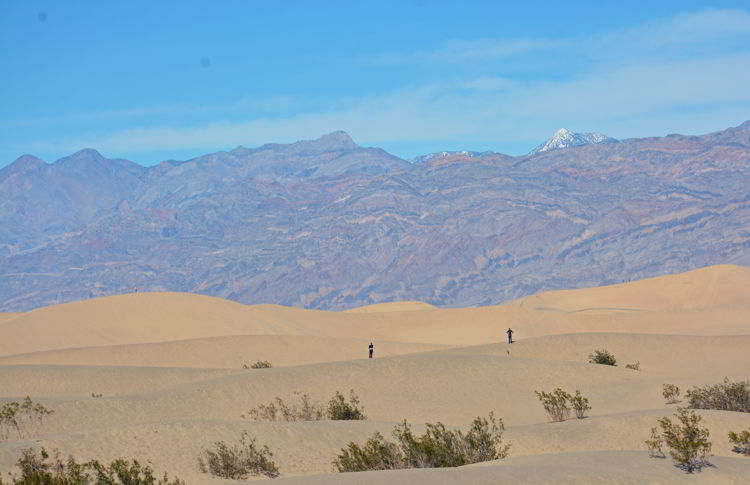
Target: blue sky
x=150, y=81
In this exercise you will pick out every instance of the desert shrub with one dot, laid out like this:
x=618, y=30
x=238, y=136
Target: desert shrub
x=580, y=405
x=558, y=404
x=375, y=454
x=238, y=461
x=39, y=469
x=741, y=441
x=602, y=357
x=726, y=396
x=437, y=447
x=305, y=409
x=261, y=364
x=340, y=409
x=636, y=366
x=687, y=442
x=22, y=418
x=671, y=393
x=555, y=403
x=655, y=444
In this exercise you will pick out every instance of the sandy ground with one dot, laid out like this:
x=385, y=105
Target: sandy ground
x=169, y=369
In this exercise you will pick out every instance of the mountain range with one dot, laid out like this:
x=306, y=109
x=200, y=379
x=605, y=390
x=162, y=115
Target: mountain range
x=329, y=224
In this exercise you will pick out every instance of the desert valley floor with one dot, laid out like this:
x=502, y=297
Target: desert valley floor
x=169, y=367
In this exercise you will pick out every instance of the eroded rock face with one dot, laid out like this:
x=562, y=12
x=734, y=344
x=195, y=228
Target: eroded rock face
x=329, y=224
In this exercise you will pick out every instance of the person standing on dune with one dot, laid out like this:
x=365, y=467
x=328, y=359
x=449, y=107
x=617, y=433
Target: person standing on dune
x=371, y=348
x=510, y=335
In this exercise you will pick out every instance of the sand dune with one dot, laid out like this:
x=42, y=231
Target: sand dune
x=169, y=368
x=4, y=317
x=700, y=289
x=398, y=306
x=222, y=352
x=608, y=468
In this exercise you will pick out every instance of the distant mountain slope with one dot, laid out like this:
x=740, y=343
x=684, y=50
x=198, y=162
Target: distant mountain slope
x=328, y=224
x=564, y=138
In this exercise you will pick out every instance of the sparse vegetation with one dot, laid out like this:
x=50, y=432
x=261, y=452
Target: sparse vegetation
x=741, y=441
x=261, y=364
x=437, y=447
x=580, y=405
x=602, y=357
x=39, y=469
x=340, y=409
x=655, y=444
x=727, y=396
x=558, y=404
x=238, y=461
x=307, y=409
x=671, y=393
x=22, y=418
x=687, y=441
x=94, y=394
x=636, y=366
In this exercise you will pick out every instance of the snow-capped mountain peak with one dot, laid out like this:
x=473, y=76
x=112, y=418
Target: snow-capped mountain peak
x=564, y=138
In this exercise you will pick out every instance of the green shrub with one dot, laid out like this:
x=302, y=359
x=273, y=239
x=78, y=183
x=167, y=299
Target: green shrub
x=558, y=404
x=277, y=410
x=580, y=405
x=238, y=461
x=687, y=441
x=741, y=441
x=261, y=364
x=437, y=447
x=602, y=357
x=671, y=393
x=555, y=403
x=23, y=418
x=340, y=409
x=727, y=396
x=655, y=444
x=375, y=454
x=38, y=469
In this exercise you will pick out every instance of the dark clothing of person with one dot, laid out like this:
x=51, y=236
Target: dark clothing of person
x=510, y=336
x=371, y=348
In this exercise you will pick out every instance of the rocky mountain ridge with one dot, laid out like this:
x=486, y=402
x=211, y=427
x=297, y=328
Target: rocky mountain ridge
x=328, y=224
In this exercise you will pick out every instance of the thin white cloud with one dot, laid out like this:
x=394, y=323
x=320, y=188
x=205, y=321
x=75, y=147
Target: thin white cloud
x=460, y=50
x=645, y=95
x=686, y=29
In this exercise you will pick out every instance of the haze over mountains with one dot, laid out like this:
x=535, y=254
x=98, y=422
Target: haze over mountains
x=329, y=224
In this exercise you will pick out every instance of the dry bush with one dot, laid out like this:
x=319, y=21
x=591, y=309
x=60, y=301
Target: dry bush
x=727, y=396
x=655, y=444
x=555, y=403
x=437, y=447
x=671, y=393
x=376, y=454
x=579, y=404
x=261, y=364
x=238, y=461
x=636, y=366
x=687, y=442
x=741, y=441
x=38, y=469
x=305, y=409
x=23, y=418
